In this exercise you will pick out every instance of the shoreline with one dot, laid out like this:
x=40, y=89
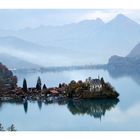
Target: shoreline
x=53, y=94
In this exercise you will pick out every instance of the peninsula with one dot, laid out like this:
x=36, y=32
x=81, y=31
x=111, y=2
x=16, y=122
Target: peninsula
x=87, y=89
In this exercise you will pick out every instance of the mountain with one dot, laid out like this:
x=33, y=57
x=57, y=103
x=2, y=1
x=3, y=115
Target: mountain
x=37, y=54
x=55, y=36
x=128, y=64
x=20, y=48
x=16, y=63
x=86, y=42
x=7, y=80
x=48, y=34
x=12, y=42
x=117, y=37
x=122, y=21
x=135, y=52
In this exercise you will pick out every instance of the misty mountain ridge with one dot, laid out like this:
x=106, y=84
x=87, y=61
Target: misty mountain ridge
x=135, y=52
x=123, y=19
x=34, y=53
x=130, y=62
x=16, y=63
x=86, y=42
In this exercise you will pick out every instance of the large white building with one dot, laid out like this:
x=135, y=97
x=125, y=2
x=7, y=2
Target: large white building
x=95, y=84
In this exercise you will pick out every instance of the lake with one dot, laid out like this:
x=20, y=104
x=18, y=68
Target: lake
x=122, y=114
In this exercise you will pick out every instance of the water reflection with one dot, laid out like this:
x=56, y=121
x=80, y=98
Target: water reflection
x=15, y=102
x=124, y=114
x=119, y=73
x=39, y=104
x=25, y=105
x=95, y=108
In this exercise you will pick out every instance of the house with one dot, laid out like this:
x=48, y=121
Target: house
x=53, y=92
x=62, y=90
x=95, y=84
x=88, y=80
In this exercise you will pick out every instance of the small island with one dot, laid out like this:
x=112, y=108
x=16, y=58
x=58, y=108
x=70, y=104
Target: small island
x=76, y=90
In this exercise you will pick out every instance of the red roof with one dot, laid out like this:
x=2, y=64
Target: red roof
x=53, y=91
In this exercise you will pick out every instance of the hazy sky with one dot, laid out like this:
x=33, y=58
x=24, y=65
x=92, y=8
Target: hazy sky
x=16, y=19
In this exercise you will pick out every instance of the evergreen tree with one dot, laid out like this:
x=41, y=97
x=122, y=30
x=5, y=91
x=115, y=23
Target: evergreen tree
x=38, y=84
x=11, y=128
x=24, y=85
x=44, y=86
x=60, y=85
x=1, y=127
x=102, y=81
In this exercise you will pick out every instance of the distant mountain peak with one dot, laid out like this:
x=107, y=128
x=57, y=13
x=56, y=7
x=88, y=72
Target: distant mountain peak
x=99, y=20
x=120, y=18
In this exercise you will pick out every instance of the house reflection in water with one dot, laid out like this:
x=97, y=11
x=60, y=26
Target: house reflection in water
x=95, y=108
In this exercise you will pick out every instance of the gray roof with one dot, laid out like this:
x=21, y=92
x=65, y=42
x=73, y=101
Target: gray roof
x=96, y=81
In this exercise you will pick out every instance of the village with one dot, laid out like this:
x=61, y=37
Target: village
x=87, y=89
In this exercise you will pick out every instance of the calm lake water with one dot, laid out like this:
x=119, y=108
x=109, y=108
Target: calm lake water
x=73, y=115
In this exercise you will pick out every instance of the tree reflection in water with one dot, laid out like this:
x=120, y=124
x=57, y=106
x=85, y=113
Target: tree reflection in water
x=16, y=102
x=25, y=105
x=95, y=108
x=39, y=104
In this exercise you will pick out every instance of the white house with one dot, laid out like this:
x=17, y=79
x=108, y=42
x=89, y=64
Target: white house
x=95, y=84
